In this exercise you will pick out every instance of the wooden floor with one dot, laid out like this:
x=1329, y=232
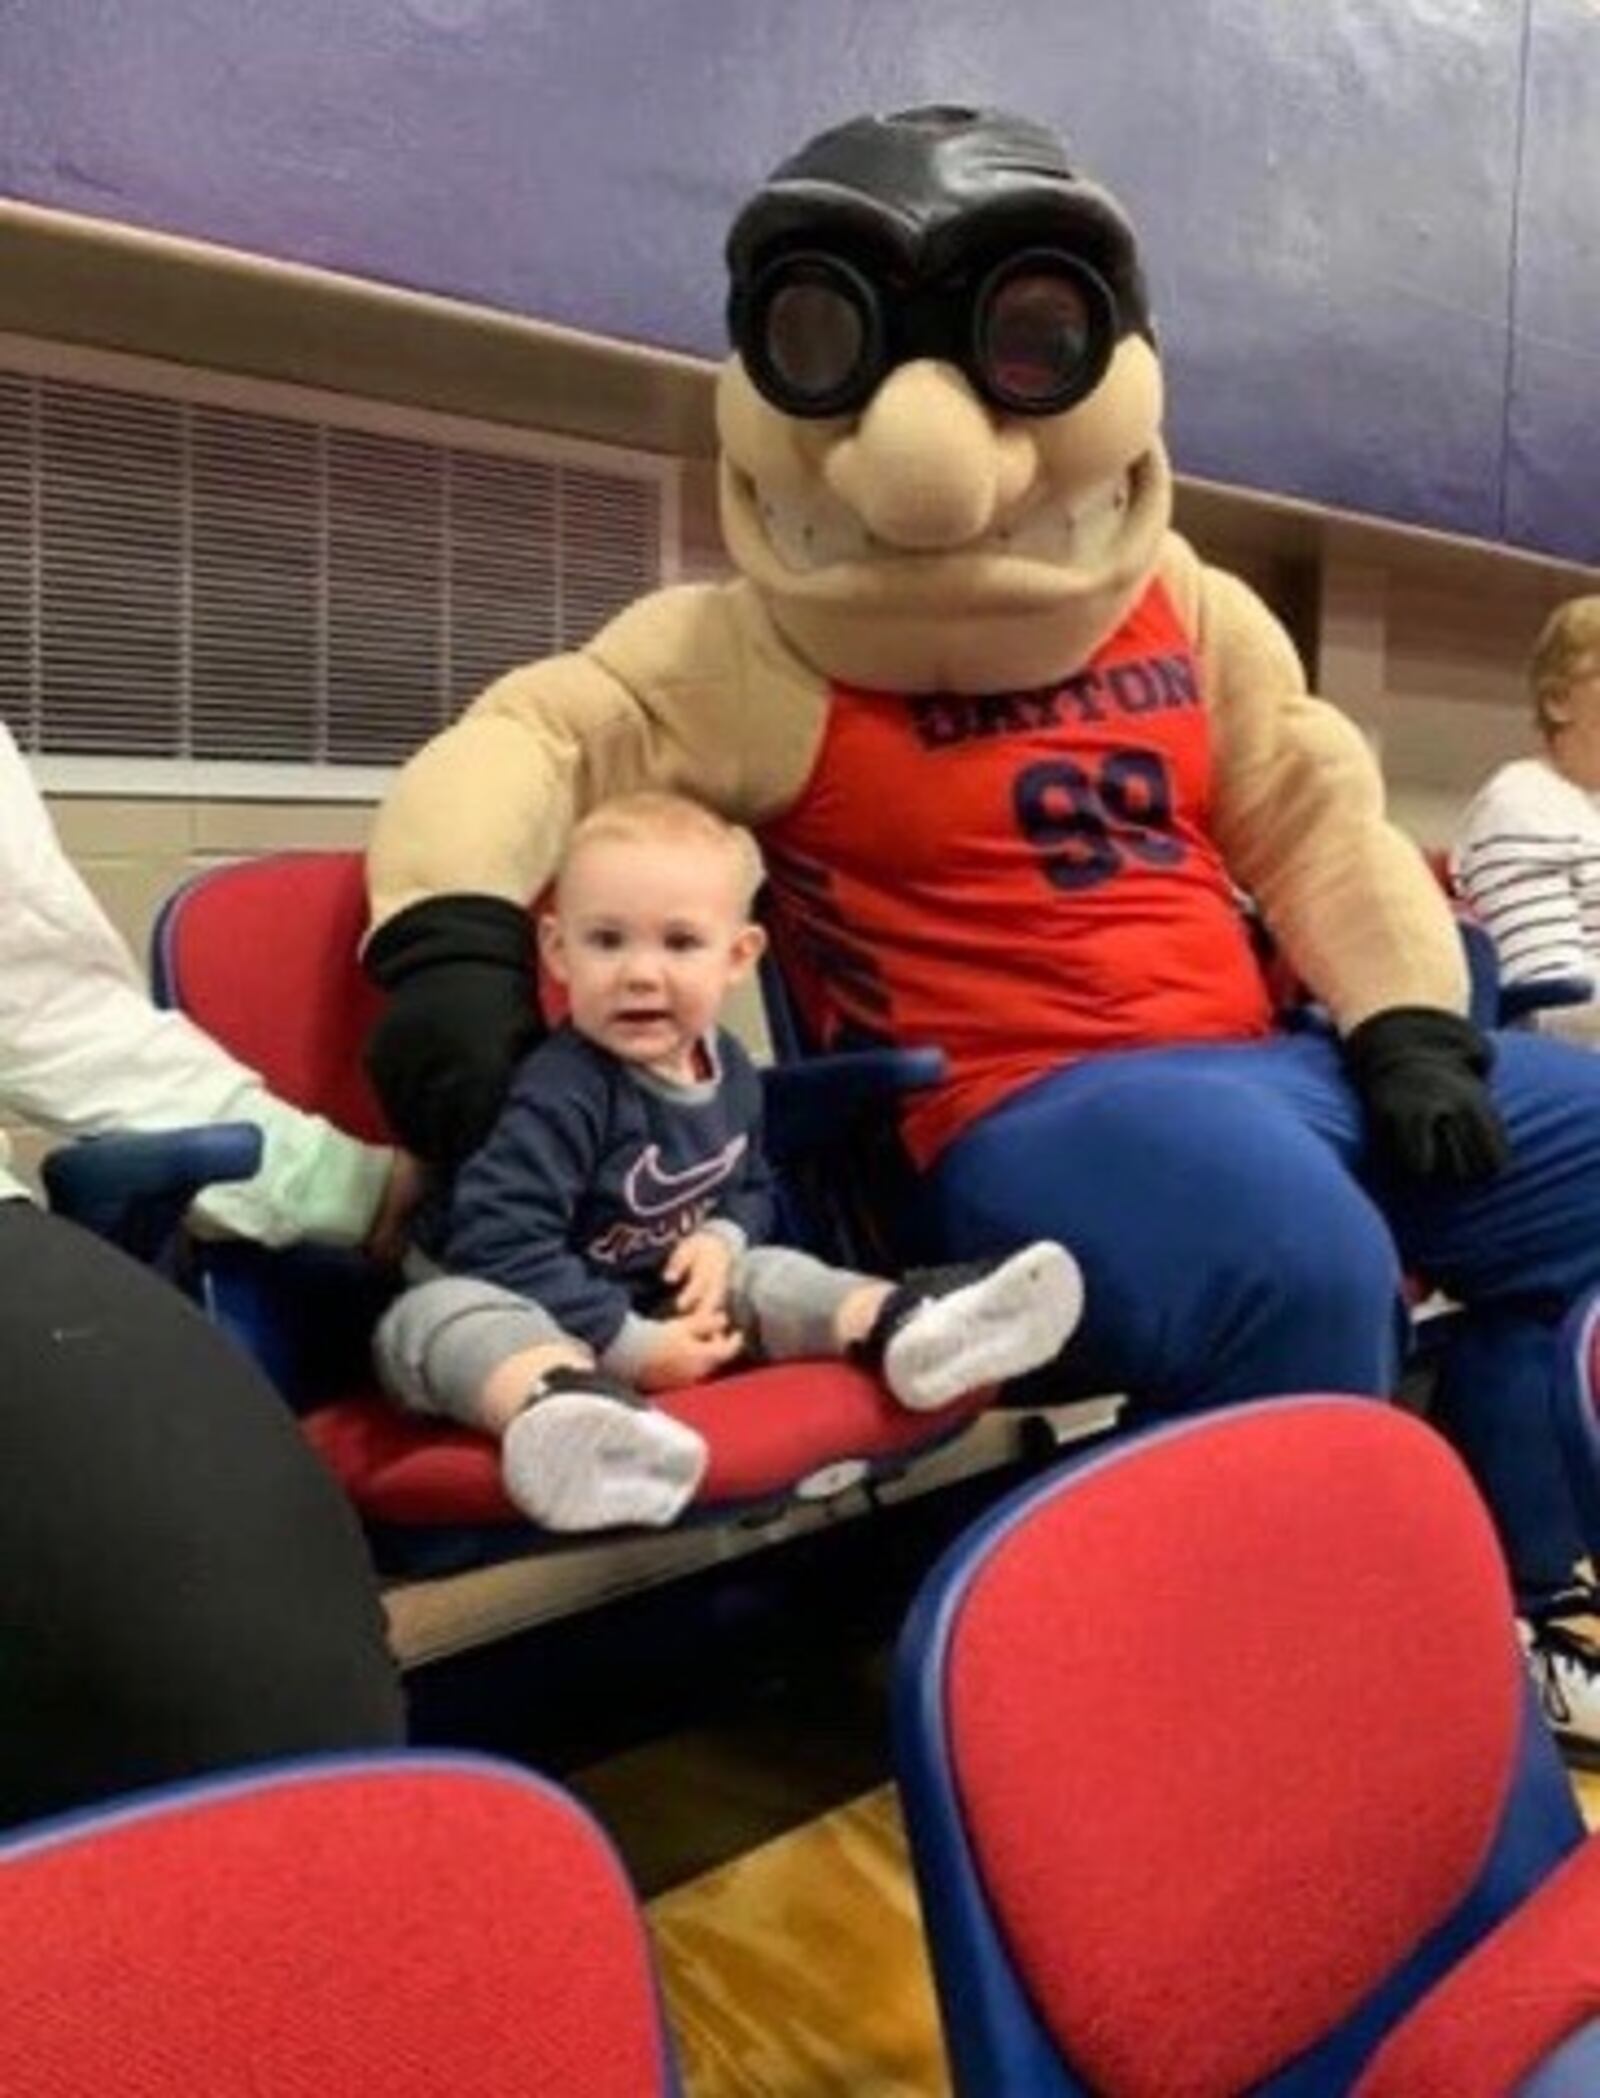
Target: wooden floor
x=798, y=1971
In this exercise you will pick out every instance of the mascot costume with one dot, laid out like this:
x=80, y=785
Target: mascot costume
x=1014, y=754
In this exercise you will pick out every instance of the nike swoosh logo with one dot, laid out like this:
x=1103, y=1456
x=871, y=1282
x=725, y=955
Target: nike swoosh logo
x=651, y=1189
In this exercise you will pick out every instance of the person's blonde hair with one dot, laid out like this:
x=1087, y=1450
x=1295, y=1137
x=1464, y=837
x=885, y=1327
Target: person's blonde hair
x=1568, y=648
x=654, y=818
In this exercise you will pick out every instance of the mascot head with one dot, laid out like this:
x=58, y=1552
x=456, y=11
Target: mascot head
x=940, y=429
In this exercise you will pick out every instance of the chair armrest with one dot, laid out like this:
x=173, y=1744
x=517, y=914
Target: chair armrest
x=1496, y=1003
x=134, y=1189
x=1544, y=994
x=813, y=1103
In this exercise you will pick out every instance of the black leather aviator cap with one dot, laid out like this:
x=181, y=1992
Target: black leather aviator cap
x=874, y=230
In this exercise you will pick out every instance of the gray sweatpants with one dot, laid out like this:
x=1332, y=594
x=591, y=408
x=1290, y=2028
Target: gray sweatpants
x=438, y=1342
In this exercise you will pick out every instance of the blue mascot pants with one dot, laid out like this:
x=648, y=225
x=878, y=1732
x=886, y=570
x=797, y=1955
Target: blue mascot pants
x=1236, y=1245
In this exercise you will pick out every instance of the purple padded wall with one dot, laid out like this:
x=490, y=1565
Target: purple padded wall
x=1553, y=464
x=1328, y=195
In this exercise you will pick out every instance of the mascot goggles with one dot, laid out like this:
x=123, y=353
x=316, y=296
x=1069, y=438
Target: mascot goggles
x=817, y=335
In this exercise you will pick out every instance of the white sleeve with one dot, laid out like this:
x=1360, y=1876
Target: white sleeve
x=83, y=1050
x=1515, y=861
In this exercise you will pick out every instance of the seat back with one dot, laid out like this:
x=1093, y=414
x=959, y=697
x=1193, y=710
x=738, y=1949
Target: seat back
x=375, y=1928
x=264, y=954
x=1215, y=1750
x=300, y=1008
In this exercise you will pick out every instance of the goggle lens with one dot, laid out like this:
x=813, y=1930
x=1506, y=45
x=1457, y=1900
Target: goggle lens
x=814, y=338
x=1036, y=340
x=817, y=335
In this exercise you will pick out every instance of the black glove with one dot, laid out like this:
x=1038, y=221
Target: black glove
x=1420, y=1072
x=461, y=1015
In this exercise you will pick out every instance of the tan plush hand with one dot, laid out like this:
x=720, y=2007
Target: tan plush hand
x=689, y=1350
x=699, y=1265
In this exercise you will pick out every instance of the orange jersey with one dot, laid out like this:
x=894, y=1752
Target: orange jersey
x=1021, y=878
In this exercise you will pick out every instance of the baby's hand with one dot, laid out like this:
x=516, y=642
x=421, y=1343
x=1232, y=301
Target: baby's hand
x=687, y=1351
x=699, y=1265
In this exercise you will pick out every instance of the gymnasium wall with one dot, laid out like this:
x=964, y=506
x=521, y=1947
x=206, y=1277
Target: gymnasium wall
x=1372, y=225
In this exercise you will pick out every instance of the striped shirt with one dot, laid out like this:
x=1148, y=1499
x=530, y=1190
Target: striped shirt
x=1526, y=858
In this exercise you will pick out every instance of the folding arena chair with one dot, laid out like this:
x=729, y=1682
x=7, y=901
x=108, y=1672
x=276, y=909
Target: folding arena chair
x=1223, y=1774
x=263, y=955
x=368, y=1927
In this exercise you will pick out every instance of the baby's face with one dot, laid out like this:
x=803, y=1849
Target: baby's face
x=647, y=938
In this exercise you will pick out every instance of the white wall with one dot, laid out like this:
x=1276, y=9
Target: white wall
x=1421, y=639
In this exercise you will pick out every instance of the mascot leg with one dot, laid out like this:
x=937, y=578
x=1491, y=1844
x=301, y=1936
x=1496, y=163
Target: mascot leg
x=1227, y=1250
x=1494, y=1403
x=1520, y=1249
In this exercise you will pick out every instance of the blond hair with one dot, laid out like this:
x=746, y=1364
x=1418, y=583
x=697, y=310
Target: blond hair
x=655, y=818
x=1568, y=649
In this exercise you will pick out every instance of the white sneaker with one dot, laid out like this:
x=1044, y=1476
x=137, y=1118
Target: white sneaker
x=1566, y=1670
x=579, y=1460
x=1004, y=1319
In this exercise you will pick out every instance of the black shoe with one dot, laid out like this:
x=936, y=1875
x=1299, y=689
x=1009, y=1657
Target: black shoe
x=1565, y=1665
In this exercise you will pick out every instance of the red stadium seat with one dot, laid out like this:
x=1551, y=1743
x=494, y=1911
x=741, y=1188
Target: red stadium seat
x=348, y=1928
x=1223, y=1773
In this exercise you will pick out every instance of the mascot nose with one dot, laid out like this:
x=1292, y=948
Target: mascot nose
x=925, y=467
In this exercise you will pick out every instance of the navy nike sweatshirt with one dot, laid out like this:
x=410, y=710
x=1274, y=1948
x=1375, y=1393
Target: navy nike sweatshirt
x=593, y=1172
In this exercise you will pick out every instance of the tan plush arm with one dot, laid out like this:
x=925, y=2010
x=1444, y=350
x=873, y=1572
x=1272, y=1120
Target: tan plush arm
x=1299, y=817
x=687, y=689
x=482, y=808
